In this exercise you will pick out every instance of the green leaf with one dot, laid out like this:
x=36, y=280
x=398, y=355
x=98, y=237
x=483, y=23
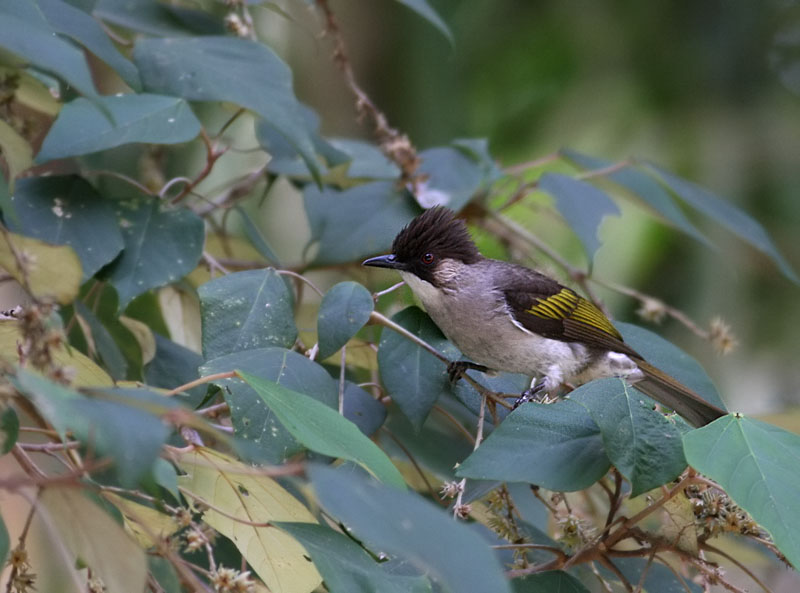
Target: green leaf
x=32, y=39
x=93, y=538
x=246, y=310
x=549, y=582
x=131, y=437
x=256, y=238
x=15, y=150
x=728, y=215
x=670, y=359
x=244, y=497
x=413, y=376
x=756, y=464
x=558, y=446
x=107, y=349
x=344, y=310
x=5, y=543
x=9, y=432
x=403, y=524
x=253, y=420
x=161, y=247
x=155, y=18
x=582, y=205
x=356, y=223
x=79, y=26
x=68, y=211
x=453, y=178
x=659, y=578
x=82, y=127
x=645, y=187
x=362, y=409
x=366, y=161
x=175, y=365
x=423, y=9
x=323, y=430
x=228, y=69
x=347, y=568
x=641, y=443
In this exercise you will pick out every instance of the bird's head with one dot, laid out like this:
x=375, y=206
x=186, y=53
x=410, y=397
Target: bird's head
x=433, y=241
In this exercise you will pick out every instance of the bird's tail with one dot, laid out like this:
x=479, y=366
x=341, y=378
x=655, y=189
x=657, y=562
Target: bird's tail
x=676, y=396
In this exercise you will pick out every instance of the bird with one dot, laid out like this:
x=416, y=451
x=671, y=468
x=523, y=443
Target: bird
x=508, y=317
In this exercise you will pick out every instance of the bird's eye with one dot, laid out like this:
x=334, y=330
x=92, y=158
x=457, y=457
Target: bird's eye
x=427, y=259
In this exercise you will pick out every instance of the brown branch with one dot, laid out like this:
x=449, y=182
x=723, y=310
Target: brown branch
x=212, y=155
x=394, y=144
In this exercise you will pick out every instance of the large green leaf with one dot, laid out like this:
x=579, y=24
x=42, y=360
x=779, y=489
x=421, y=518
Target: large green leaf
x=756, y=463
x=227, y=69
x=253, y=420
x=161, y=247
x=347, y=568
x=582, y=205
x=68, y=211
x=670, y=359
x=79, y=26
x=549, y=582
x=353, y=224
x=344, y=310
x=426, y=11
x=646, y=188
x=130, y=436
x=405, y=525
x=323, y=430
x=81, y=127
x=641, y=443
x=558, y=446
x=28, y=36
x=413, y=376
x=728, y=215
x=246, y=310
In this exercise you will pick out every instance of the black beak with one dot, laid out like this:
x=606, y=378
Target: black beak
x=383, y=261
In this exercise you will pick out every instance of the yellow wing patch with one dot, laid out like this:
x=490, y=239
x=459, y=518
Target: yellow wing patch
x=566, y=304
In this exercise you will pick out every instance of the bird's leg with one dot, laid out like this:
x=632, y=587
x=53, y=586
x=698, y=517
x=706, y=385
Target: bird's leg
x=457, y=368
x=532, y=394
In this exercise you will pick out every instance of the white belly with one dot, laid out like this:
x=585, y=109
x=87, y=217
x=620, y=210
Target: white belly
x=484, y=331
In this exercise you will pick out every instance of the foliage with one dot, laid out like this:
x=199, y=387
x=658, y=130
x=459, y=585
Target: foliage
x=223, y=424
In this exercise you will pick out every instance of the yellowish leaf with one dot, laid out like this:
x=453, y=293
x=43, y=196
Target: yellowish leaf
x=181, y=313
x=15, y=150
x=95, y=539
x=144, y=336
x=147, y=525
x=679, y=524
x=87, y=373
x=237, y=490
x=52, y=271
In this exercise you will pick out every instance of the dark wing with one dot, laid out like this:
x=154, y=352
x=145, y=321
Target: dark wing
x=545, y=307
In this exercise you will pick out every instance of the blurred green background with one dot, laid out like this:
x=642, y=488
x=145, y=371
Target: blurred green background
x=704, y=89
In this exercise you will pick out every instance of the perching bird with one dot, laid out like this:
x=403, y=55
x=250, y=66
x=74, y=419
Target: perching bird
x=510, y=318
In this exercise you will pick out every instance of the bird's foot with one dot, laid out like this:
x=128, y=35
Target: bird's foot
x=457, y=368
x=535, y=393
